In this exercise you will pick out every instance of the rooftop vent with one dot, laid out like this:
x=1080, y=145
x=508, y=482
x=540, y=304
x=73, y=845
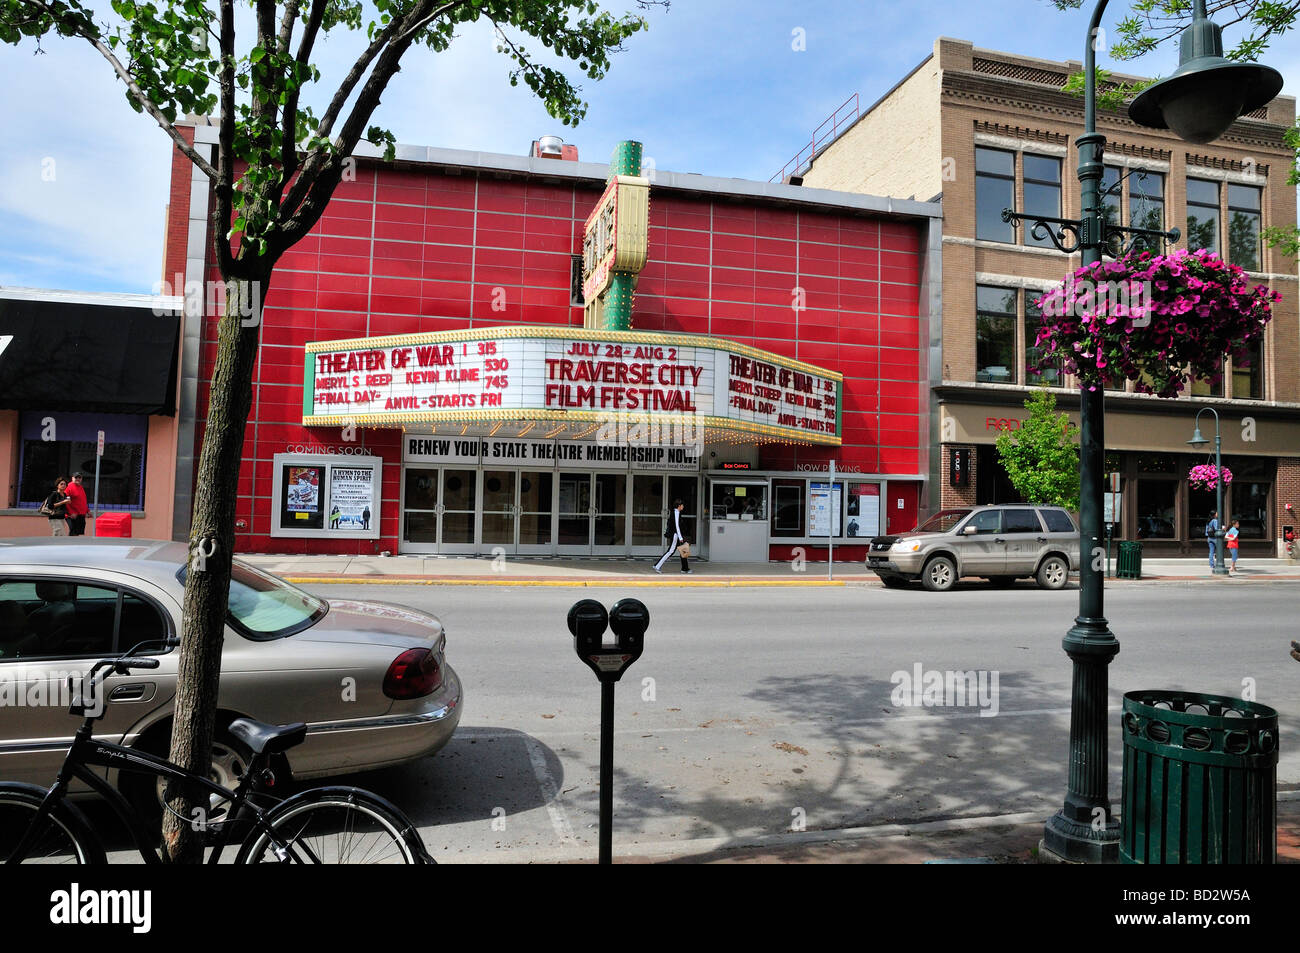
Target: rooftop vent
x=553, y=147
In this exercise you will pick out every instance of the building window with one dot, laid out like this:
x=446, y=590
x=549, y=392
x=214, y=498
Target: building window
x=1042, y=192
x=1248, y=375
x=1202, y=215
x=1250, y=505
x=995, y=334
x=1146, y=204
x=1156, y=505
x=57, y=444
x=1051, y=375
x=1243, y=226
x=1203, y=388
x=995, y=188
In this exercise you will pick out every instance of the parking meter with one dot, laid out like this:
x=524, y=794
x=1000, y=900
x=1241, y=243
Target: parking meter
x=629, y=618
x=588, y=620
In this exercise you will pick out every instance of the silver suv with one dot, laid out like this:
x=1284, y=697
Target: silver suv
x=1001, y=543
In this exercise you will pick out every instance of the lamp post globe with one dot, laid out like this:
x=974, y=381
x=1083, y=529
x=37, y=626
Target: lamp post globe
x=1207, y=93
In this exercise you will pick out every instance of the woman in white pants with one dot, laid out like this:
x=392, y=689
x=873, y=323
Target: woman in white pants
x=678, y=538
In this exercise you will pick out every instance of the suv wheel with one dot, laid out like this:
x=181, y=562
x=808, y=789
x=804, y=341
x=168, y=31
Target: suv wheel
x=939, y=574
x=1053, y=573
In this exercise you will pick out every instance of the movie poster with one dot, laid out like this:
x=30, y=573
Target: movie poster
x=303, y=490
x=351, y=497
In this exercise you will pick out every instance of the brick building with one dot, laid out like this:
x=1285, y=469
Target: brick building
x=982, y=130
x=430, y=378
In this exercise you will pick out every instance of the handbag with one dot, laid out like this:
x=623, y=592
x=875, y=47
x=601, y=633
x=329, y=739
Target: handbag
x=1232, y=542
x=684, y=550
x=46, y=511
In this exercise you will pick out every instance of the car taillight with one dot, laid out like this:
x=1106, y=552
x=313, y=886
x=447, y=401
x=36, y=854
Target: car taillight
x=414, y=673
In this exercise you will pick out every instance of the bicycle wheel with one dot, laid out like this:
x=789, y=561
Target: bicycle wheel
x=334, y=826
x=64, y=837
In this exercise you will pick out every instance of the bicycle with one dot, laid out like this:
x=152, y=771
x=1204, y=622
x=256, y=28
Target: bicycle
x=319, y=825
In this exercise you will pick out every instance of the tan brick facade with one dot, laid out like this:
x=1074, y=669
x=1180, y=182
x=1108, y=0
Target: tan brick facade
x=1014, y=104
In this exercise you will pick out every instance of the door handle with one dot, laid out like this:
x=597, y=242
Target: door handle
x=1042, y=539
x=128, y=693
x=998, y=539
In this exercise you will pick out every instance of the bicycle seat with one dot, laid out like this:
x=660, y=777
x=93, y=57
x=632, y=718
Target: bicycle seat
x=271, y=739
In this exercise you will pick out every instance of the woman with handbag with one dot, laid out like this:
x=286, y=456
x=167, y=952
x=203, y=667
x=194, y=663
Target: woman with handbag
x=1230, y=544
x=676, y=540
x=54, y=508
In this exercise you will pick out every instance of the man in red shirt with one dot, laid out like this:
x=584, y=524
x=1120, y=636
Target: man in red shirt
x=77, y=508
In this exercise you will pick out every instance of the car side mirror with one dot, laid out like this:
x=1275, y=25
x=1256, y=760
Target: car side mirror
x=968, y=531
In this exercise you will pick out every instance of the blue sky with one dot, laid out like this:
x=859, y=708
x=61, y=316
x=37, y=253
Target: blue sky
x=714, y=86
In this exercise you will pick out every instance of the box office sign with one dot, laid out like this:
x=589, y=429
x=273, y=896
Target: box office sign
x=329, y=495
x=527, y=373
x=544, y=454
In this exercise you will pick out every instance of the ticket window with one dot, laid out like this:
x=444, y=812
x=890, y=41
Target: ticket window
x=738, y=521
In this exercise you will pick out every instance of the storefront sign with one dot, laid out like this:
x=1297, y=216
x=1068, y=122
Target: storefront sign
x=329, y=495
x=526, y=373
x=545, y=454
x=615, y=233
x=959, y=467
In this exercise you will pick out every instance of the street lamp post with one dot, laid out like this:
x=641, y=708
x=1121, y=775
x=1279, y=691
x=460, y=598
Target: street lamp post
x=1198, y=102
x=1199, y=441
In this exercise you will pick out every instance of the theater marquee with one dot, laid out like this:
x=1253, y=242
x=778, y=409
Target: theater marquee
x=515, y=378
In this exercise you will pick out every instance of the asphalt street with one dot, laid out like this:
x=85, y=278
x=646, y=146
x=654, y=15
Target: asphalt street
x=758, y=711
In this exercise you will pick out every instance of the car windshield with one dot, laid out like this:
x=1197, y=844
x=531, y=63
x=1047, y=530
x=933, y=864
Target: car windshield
x=942, y=521
x=264, y=607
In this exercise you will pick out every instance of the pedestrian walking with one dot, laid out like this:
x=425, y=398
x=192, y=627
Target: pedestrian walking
x=1211, y=534
x=1230, y=544
x=76, y=506
x=677, y=540
x=55, y=508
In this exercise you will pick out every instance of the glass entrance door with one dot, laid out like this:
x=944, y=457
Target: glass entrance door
x=438, y=510
x=648, y=507
x=611, y=514
x=420, y=510
x=575, y=512
x=536, y=508
x=686, y=489
x=500, y=511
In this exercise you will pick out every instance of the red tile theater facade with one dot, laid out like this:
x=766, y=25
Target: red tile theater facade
x=426, y=383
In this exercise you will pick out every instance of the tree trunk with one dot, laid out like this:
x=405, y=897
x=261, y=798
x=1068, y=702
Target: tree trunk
x=207, y=581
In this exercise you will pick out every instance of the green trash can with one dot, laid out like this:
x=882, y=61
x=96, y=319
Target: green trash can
x=1128, y=565
x=1200, y=780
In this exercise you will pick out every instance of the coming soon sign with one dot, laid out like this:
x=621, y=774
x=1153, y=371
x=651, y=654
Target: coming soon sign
x=543, y=373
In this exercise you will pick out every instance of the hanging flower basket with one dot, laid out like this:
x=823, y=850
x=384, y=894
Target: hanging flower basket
x=1204, y=477
x=1158, y=320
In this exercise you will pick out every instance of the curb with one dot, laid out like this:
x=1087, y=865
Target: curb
x=568, y=583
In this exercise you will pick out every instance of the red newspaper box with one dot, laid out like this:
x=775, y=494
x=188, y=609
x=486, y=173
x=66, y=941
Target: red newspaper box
x=113, y=524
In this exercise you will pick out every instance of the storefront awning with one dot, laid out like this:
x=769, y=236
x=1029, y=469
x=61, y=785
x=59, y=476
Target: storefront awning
x=58, y=355
x=570, y=383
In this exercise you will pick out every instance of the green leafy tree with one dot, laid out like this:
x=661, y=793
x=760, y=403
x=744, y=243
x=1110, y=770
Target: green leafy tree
x=1151, y=24
x=1042, y=457
x=277, y=163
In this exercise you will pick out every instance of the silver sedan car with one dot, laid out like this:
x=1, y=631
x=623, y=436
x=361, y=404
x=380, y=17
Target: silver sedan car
x=370, y=679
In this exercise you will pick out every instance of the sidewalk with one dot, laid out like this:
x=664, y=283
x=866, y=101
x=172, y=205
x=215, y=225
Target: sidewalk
x=598, y=572
x=1012, y=839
